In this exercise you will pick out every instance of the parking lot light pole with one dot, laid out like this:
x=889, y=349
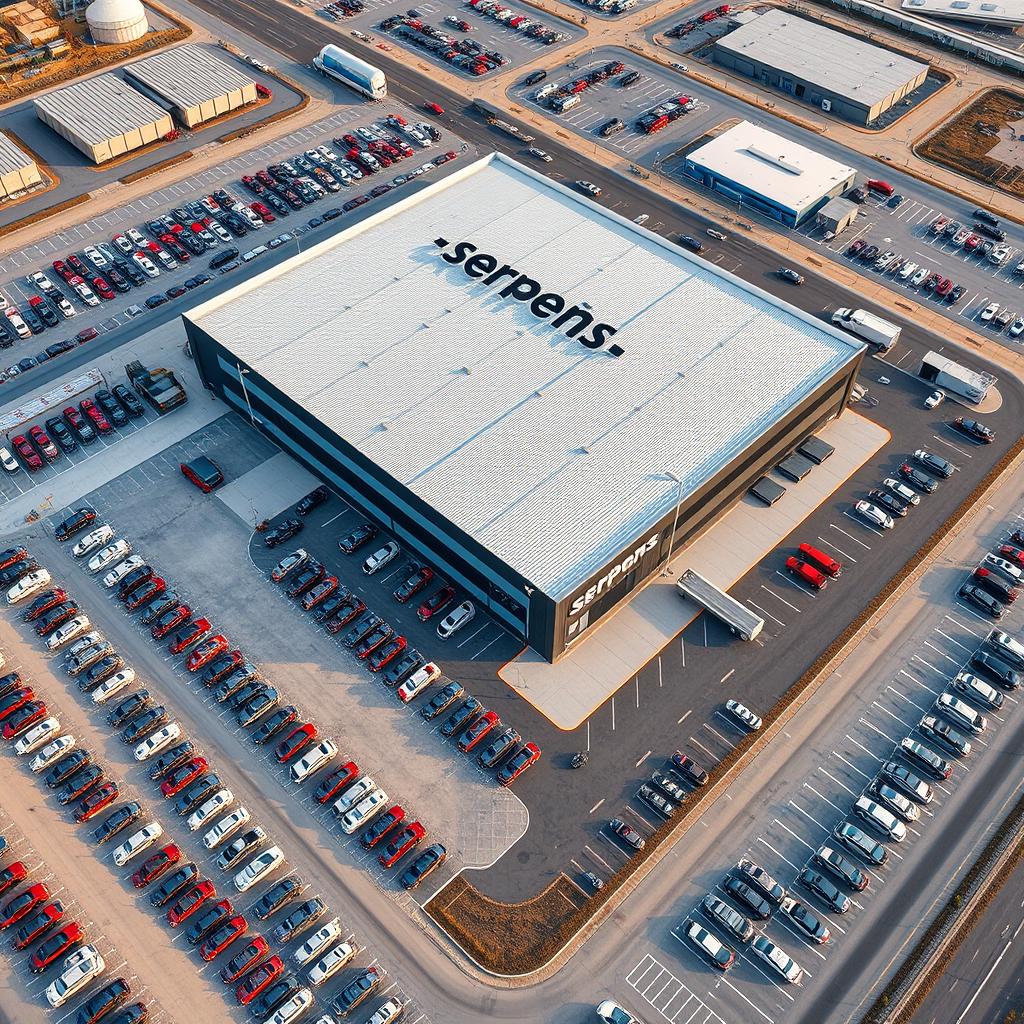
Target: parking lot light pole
x=242, y=374
x=529, y=597
x=675, y=519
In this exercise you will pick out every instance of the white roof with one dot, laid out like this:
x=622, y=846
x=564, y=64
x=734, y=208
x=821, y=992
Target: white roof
x=840, y=63
x=551, y=455
x=11, y=157
x=188, y=76
x=1007, y=12
x=115, y=13
x=786, y=172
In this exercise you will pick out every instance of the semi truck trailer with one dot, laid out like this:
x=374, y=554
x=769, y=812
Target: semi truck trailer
x=867, y=326
x=951, y=376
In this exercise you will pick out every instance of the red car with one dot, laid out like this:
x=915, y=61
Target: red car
x=401, y=845
x=153, y=867
x=320, y=593
x=32, y=929
x=207, y=651
x=22, y=904
x=355, y=607
x=187, y=636
x=15, y=700
x=104, y=289
x=59, y=943
x=261, y=211
x=336, y=781
x=414, y=584
x=518, y=763
x=806, y=572
x=386, y=654
x=881, y=187
x=1011, y=554
x=97, y=801
x=177, y=780
x=434, y=108
x=475, y=732
x=245, y=959
x=63, y=269
x=87, y=334
x=223, y=936
x=374, y=639
x=50, y=451
x=28, y=454
x=298, y=739
x=168, y=621
x=53, y=598
x=259, y=979
x=27, y=715
x=145, y=592
x=381, y=826
x=11, y=875
x=185, y=906
x=93, y=411
x=437, y=601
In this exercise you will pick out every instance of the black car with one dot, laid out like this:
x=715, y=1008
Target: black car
x=996, y=669
x=79, y=784
x=432, y=857
x=803, y=918
x=304, y=916
x=816, y=882
x=234, y=681
x=256, y=705
x=13, y=573
x=842, y=867
x=116, y=821
x=688, y=770
x=277, y=896
x=8, y=684
x=102, y=670
x=66, y=767
x=58, y=430
x=748, y=898
x=939, y=466
x=128, y=706
x=272, y=725
x=981, y=600
x=78, y=520
x=284, y=530
x=110, y=997
x=356, y=992
x=312, y=500
x=993, y=585
x=127, y=398
x=400, y=669
x=272, y=997
x=500, y=747
x=691, y=243
x=537, y=76
x=357, y=538
x=165, y=602
x=220, y=667
x=143, y=724
x=50, y=620
x=134, y=579
x=918, y=480
x=239, y=847
x=334, y=604
x=253, y=688
x=888, y=501
x=171, y=759
x=461, y=716
x=207, y=920
x=195, y=793
x=172, y=884
x=137, y=1013
x=155, y=300
x=442, y=700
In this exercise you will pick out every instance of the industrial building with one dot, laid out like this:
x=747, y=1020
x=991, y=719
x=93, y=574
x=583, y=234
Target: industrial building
x=782, y=179
x=29, y=25
x=1006, y=14
x=103, y=117
x=116, y=21
x=18, y=170
x=839, y=73
x=196, y=85
x=558, y=400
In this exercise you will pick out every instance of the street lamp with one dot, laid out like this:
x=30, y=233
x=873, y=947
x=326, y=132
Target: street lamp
x=675, y=520
x=242, y=374
x=529, y=596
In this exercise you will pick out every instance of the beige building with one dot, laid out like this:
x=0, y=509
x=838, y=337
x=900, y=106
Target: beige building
x=31, y=25
x=18, y=170
x=103, y=117
x=197, y=85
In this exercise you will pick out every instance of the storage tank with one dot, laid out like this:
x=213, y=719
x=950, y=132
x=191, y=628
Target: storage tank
x=116, y=21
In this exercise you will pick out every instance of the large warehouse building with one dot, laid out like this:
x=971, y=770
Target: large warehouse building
x=836, y=72
x=197, y=85
x=784, y=180
x=18, y=170
x=538, y=397
x=103, y=117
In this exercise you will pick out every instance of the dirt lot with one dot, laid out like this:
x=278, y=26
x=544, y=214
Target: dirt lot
x=984, y=141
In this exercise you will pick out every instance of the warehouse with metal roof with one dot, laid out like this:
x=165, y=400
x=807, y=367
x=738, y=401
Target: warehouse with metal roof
x=18, y=170
x=197, y=85
x=539, y=397
x=834, y=71
x=103, y=117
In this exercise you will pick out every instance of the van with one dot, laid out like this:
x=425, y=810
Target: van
x=1007, y=647
x=878, y=818
x=221, y=258
x=960, y=713
x=807, y=573
x=313, y=760
x=1001, y=567
x=980, y=692
x=826, y=563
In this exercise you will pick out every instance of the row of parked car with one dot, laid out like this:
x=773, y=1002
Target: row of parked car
x=465, y=54
x=896, y=497
x=200, y=798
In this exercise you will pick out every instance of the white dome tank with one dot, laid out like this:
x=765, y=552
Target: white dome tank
x=116, y=21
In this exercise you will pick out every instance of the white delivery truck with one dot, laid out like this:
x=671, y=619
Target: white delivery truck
x=951, y=376
x=353, y=71
x=872, y=329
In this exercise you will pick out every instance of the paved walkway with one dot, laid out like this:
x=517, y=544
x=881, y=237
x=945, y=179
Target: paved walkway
x=569, y=692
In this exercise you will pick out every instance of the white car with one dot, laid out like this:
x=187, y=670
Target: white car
x=418, y=682
x=880, y=819
x=227, y=826
x=124, y=244
x=989, y=312
x=710, y=946
x=902, y=491
x=381, y=557
x=327, y=153
x=353, y=793
x=292, y=1009
x=67, y=631
x=53, y=750
x=77, y=970
x=365, y=133
x=137, y=842
x=37, y=736
x=28, y=585
x=219, y=230
x=114, y=684
x=874, y=515
x=458, y=617
x=977, y=690
x=66, y=309
x=610, y=1012
x=145, y=264
x=258, y=868
x=313, y=760
x=220, y=801
x=83, y=643
x=92, y=540
x=589, y=187
x=85, y=293
x=1017, y=327
x=158, y=741
x=388, y=1013
x=95, y=257
x=1000, y=254
x=364, y=812
x=19, y=325
x=136, y=236
x=356, y=172
x=318, y=942
x=40, y=280
x=112, y=553
x=744, y=715
x=540, y=154
x=331, y=962
x=777, y=959
x=960, y=713
x=121, y=570
x=168, y=261
x=8, y=461
x=907, y=270
x=920, y=277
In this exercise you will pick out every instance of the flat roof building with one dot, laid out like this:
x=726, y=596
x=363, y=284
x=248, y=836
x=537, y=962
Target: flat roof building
x=1010, y=12
x=781, y=178
x=197, y=85
x=840, y=73
x=103, y=117
x=537, y=396
x=18, y=170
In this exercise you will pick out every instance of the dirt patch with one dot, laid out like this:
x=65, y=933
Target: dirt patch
x=983, y=142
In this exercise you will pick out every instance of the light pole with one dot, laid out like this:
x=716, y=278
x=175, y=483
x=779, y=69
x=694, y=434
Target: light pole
x=675, y=519
x=529, y=596
x=242, y=374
